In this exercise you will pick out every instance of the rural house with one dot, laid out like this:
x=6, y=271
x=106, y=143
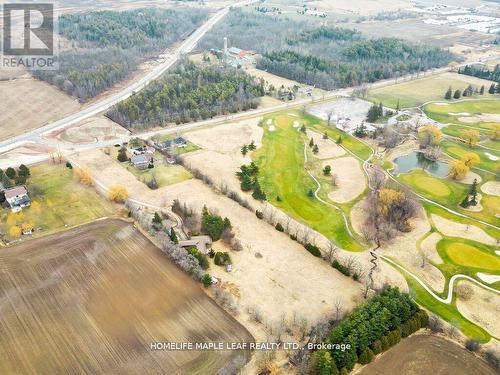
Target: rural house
x=17, y=198
x=141, y=161
x=170, y=144
x=202, y=243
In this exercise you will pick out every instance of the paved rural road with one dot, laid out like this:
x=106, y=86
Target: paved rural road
x=187, y=46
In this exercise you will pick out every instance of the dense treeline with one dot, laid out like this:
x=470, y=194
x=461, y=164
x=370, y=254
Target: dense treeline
x=88, y=73
x=327, y=57
x=107, y=46
x=187, y=94
x=373, y=327
x=143, y=29
x=329, y=33
x=362, y=61
x=482, y=72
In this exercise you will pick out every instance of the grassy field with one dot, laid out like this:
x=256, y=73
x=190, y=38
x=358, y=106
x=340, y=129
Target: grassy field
x=165, y=174
x=419, y=91
x=94, y=298
x=282, y=173
x=59, y=201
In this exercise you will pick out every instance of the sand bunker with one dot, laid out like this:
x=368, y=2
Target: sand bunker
x=441, y=103
x=296, y=124
x=454, y=229
x=483, y=308
x=459, y=113
x=491, y=156
x=491, y=188
x=272, y=128
x=351, y=180
x=428, y=247
x=483, y=117
x=487, y=278
x=470, y=177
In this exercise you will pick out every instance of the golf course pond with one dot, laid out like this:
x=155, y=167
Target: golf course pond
x=417, y=160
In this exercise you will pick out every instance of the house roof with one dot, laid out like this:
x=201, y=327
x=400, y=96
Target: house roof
x=235, y=50
x=140, y=159
x=15, y=191
x=201, y=243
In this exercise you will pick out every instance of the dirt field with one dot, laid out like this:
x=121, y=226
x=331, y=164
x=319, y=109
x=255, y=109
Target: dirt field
x=27, y=153
x=271, y=79
x=27, y=104
x=483, y=308
x=416, y=31
x=359, y=7
x=93, y=299
x=423, y=354
x=91, y=130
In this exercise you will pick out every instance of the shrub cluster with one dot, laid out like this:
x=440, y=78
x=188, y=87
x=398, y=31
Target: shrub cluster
x=313, y=249
x=340, y=267
x=221, y=259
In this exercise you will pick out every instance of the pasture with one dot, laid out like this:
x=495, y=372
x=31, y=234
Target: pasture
x=93, y=299
x=422, y=90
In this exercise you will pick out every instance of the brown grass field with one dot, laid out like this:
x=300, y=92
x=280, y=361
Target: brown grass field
x=27, y=104
x=92, y=299
x=424, y=354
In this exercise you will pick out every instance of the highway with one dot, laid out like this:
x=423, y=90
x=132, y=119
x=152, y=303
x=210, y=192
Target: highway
x=185, y=47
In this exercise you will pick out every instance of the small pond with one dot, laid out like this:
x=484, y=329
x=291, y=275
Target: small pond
x=416, y=160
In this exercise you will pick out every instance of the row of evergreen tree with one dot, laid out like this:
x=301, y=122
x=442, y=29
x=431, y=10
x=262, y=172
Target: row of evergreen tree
x=373, y=327
x=470, y=91
x=189, y=93
x=481, y=72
